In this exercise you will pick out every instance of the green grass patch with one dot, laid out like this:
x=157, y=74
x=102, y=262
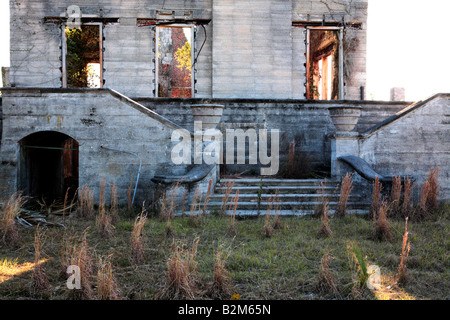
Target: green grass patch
x=283, y=266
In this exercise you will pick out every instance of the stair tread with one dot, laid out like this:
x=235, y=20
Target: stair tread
x=302, y=212
x=283, y=195
x=288, y=202
x=277, y=180
x=219, y=186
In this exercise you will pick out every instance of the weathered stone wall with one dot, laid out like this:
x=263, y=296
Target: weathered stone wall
x=413, y=143
x=305, y=123
x=258, y=53
x=252, y=50
x=128, y=58
x=94, y=118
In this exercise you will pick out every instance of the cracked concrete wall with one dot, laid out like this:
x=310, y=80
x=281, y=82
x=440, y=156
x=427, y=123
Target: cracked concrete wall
x=94, y=118
x=251, y=48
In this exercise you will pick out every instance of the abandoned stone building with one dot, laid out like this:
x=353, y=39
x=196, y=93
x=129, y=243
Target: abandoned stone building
x=96, y=89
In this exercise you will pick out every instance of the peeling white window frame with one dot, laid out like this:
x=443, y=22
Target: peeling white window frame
x=341, y=55
x=64, y=50
x=175, y=25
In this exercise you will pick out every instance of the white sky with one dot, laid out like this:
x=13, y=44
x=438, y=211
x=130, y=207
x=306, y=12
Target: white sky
x=4, y=35
x=408, y=46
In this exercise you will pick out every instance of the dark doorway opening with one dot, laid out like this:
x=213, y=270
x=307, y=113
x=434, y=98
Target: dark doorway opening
x=48, y=166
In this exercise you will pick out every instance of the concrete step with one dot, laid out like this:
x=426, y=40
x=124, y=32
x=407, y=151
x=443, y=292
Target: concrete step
x=282, y=197
x=278, y=182
x=254, y=213
x=281, y=189
x=294, y=195
x=289, y=205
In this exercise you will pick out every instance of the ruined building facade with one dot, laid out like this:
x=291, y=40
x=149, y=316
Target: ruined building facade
x=241, y=49
x=97, y=88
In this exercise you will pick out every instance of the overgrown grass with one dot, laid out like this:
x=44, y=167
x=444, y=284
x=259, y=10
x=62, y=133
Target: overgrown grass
x=8, y=229
x=286, y=265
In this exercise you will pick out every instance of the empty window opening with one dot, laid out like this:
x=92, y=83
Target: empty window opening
x=174, y=49
x=83, y=57
x=48, y=166
x=324, y=64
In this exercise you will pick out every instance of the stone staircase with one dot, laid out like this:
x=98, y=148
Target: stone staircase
x=295, y=197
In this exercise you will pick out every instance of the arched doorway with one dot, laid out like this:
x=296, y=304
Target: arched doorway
x=48, y=166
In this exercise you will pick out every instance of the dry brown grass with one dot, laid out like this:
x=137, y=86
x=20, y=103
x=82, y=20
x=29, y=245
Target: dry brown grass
x=221, y=286
x=395, y=206
x=79, y=255
x=406, y=205
x=327, y=283
x=104, y=220
x=226, y=197
x=107, y=285
x=137, y=246
x=86, y=203
x=207, y=197
x=432, y=200
x=40, y=282
x=376, y=199
x=114, y=209
x=8, y=215
x=428, y=197
x=346, y=189
x=277, y=222
x=422, y=212
x=182, y=281
x=325, y=230
x=268, y=226
x=382, y=226
x=171, y=211
x=130, y=197
x=402, y=271
x=323, y=200
x=194, y=213
x=232, y=221
x=183, y=203
x=164, y=215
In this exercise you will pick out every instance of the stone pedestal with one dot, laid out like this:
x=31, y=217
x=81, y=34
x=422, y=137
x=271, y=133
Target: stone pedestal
x=343, y=144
